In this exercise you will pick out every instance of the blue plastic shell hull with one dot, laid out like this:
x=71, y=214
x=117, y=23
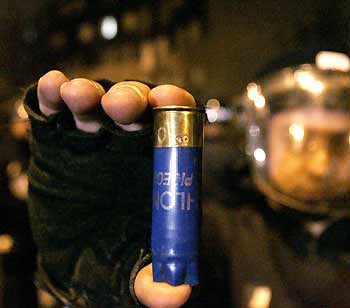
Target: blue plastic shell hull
x=176, y=214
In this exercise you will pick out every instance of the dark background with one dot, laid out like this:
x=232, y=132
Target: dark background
x=212, y=48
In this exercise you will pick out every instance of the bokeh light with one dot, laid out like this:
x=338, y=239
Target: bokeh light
x=297, y=132
x=213, y=106
x=109, y=27
x=261, y=297
x=6, y=243
x=13, y=169
x=308, y=82
x=46, y=300
x=19, y=186
x=330, y=60
x=260, y=155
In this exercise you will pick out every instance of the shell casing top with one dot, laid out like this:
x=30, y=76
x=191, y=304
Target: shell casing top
x=178, y=126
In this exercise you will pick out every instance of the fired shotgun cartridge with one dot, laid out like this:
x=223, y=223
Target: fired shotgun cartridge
x=178, y=143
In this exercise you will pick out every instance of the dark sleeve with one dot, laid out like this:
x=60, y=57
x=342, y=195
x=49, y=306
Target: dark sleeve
x=90, y=200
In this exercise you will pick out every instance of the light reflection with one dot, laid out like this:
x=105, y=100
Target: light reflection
x=330, y=60
x=109, y=27
x=308, y=82
x=254, y=130
x=213, y=106
x=254, y=94
x=297, y=132
x=19, y=186
x=261, y=297
x=21, y=112
x=19, y=129
x=259, y=102
x=317, y=228
x=6, y=243
x=45, y=299
x=172, y=267
x=213, y=103
x=253, y=91
x=224, y=114
x=259, y=155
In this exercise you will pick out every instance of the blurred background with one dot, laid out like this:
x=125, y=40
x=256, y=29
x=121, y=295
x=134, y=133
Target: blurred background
x=213, y=48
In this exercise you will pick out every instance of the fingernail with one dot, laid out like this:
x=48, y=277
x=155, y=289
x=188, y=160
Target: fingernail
x=98, y=87
x=78, y=81
x=81, y=81
x=128, y=89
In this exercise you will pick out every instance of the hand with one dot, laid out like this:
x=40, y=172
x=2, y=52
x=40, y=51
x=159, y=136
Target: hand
x=125, y=103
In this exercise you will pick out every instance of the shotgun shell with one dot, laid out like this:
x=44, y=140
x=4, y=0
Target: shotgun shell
x=178, y=143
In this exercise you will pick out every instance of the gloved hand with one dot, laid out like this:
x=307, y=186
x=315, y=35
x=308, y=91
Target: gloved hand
x=90, y=187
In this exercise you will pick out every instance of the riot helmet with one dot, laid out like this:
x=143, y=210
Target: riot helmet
x=298, y=135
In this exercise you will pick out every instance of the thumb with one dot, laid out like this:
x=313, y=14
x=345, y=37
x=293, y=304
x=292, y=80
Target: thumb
x=159, y=294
